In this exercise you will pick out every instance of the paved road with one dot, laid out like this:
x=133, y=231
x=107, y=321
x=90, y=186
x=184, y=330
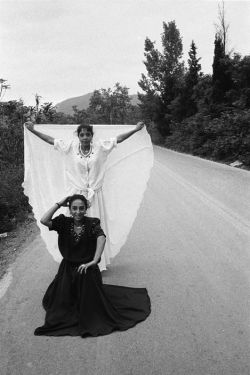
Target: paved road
x=190, y=246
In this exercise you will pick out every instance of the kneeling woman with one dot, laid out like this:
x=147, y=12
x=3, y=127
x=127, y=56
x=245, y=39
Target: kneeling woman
x=76, y=302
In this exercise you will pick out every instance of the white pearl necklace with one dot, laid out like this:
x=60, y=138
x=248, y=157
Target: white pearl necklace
x=83, y=154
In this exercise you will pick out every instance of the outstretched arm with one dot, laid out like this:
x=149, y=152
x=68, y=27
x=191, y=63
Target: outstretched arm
x=47, y=138
x=47, y=217
x=122, y=137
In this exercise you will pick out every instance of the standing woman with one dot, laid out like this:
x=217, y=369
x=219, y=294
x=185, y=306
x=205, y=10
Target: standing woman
x=85, y=164
x=76, y=302
x=86, y=161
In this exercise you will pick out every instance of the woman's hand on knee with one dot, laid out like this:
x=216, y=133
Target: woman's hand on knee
x=83, y=267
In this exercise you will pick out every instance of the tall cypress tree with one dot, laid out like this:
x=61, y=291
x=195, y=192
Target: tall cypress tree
x=184, y=105
x=164, y=72
x=221, y=79
x=192, y=77
x=194, y=67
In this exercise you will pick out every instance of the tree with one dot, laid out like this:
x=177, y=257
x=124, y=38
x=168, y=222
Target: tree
x=62, y=118
x=184, y=105
x=202, y=94
x=191, y=80
x=222, y=27
x=165, y=72
x=3, y=87
x=222, y=64
x=222, y=79
x=48, y=112
x=37, y=108
x=239, y=95
x=109, y=106
x=194, y=67
x=80, y=116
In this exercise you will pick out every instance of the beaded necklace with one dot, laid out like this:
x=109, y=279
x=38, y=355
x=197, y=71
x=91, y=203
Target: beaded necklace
x=77, y=236
x=83, y=154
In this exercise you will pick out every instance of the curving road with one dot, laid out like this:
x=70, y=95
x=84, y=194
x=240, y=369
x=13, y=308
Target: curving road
x=190, y=246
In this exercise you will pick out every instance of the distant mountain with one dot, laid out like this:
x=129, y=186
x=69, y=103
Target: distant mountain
x=82, y=102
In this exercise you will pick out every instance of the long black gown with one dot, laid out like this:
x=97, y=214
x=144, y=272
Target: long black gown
x=80, y=304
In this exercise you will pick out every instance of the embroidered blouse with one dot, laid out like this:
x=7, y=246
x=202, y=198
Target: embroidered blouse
x=81, y=248
x=85, y=175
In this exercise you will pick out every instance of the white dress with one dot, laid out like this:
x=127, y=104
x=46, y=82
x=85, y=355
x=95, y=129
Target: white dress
x=114, y=182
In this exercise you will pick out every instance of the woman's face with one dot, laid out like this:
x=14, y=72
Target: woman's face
x=77, y=209
x=85, y=137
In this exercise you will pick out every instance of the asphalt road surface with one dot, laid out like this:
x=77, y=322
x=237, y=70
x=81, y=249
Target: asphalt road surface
x=190, y=246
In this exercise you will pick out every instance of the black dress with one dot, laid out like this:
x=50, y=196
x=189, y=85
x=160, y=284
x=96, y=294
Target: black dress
x=80, y=304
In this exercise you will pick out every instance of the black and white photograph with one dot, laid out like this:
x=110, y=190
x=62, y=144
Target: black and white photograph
x=124, y=187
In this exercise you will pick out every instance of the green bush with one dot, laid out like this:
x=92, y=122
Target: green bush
x=223, y=138
x=13, y=203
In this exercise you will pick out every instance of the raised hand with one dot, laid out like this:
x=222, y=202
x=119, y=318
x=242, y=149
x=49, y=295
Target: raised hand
x=29, y=125
x=64, y=202
x=139, y=125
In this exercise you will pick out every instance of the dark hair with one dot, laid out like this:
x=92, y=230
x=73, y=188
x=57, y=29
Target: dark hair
x=85, y=126
x=78, y=196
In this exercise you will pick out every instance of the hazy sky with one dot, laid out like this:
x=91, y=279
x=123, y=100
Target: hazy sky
x=61, y=49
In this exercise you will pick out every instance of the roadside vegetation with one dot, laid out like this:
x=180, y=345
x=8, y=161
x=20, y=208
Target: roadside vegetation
x=185, y=110
x=201, y=114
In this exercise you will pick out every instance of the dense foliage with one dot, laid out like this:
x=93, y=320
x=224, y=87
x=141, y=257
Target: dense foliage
x=109, y=106
x=106, y=107
x=13, y=204
x=205, y=115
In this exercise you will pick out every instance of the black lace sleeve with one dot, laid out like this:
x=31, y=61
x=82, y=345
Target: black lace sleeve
x=96, y=229
x=58, y=223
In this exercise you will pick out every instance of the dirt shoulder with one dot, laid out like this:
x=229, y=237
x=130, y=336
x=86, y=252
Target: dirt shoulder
x=16, y=242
